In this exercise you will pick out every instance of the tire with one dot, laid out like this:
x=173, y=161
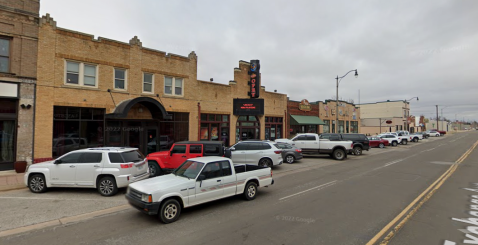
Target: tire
x=381, y=145
x=107, y=186
x=394, y=143
x=169, y=211
x=357, y=150
x=265, y=162
x=437, y=135
x=154, y=169
x=250, y=191
x=37, y=183
x=404, y=142
x=290, y=159
x=338, y=154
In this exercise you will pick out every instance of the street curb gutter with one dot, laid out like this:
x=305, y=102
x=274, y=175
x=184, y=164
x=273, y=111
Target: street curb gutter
x=421, y=199
x=64, y=221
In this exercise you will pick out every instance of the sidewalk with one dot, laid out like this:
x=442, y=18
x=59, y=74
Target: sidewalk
x=10, y=180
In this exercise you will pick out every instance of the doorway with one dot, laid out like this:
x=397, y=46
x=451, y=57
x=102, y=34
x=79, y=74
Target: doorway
x=247, y=127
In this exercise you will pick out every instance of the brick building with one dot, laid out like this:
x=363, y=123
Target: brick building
x=94, y=92
x=319, y=117
x=386, y=116
x=18, y=75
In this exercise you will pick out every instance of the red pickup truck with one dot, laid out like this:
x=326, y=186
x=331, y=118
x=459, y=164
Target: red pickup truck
x=163, y=162
x=439, y=131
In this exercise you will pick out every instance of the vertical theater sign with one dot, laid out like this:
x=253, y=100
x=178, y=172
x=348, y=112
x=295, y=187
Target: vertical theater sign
x=255, y=82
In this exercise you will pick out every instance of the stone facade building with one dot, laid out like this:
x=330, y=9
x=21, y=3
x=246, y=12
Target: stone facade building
x=101, y=92
x=18, y=76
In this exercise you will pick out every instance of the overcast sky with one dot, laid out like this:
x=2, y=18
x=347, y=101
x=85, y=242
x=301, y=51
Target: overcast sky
x=401, y=48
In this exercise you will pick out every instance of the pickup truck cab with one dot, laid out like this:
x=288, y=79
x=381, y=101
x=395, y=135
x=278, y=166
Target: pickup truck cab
x=360, y=141
x=166, y=161
x=311, y=143
x=197, y=180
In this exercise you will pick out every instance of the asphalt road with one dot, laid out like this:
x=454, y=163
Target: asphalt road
x=315, y=201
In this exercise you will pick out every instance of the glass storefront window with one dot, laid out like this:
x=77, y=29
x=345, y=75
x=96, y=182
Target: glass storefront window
x=326, y=127
x=7, y=140
x=215, y=127
x=273, y=128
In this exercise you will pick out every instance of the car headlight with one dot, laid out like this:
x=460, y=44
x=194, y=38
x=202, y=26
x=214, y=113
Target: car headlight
x=146, y=198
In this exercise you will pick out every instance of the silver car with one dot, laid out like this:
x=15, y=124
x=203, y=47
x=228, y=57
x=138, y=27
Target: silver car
x=256, y=152
x=290, y=153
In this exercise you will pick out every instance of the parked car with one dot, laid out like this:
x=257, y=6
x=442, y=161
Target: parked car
x=424, y=133
x=290, y=153
x=392, y=139
x=263, y=153
x=105, y=169
x=442, y=132
x=360, y=141
x=196, y=181
x=311, y=143
x=434, y=133
x=376, y=141
x=402, y=138
x=166, y=161
x=416, y=137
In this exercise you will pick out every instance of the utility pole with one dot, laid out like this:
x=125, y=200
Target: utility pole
x=438, y=127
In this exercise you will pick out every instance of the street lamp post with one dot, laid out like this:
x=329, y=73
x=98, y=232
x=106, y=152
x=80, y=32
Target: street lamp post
x=408, y=114
x=338, y=79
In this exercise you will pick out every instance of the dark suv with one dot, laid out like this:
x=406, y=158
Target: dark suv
x=360, y=141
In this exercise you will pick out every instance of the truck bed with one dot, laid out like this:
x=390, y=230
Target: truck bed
x=241, y=168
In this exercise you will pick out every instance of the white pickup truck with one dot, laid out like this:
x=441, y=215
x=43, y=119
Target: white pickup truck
x=197, y=180
x=310, y=143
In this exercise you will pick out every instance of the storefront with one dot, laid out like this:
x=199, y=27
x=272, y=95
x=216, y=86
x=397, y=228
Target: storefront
x=303, y=117
x=349, y=117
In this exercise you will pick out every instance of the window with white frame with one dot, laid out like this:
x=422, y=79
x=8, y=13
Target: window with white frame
x=173, y=86
x=4, y=55
x=120, y=79
x=82, y=74
x=147, y=82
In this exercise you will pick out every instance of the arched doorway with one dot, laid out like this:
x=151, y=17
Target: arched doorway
x=135, y=123
x=248, y=127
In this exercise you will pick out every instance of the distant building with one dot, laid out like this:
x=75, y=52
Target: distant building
x=18, y=77
x=386, y=116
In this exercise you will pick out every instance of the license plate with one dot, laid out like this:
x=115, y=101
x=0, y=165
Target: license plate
x=140, y=167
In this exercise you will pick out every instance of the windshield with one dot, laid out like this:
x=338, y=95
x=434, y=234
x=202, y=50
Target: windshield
x=189, y=169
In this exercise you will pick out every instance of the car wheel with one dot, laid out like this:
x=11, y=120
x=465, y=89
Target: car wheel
x=381, y=145
x=358, y=150
x=395, y=143
x=290, y=159
x=250, y=191
x=437, y=135
x=169, y=211
x=107, y=186
x=338, y=154
x=37, y=183
x=154, y=169
x=264, y=162
x=404, y=142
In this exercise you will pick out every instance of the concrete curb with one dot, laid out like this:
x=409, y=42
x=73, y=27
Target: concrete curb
x=64, y=221
x=12, y=187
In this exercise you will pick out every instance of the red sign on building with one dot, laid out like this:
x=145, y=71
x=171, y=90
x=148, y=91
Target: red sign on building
x=255, y=81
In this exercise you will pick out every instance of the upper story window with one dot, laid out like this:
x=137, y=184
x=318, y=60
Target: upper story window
x=173, y=86
x=148, y=82
x=82, y=74
x=120, y=79
x=4, y=55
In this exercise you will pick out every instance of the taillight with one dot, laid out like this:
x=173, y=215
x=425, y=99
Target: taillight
x=127, y=165
x=352, y=145
x=271, y=172
x=298, y=150
x=277, y=152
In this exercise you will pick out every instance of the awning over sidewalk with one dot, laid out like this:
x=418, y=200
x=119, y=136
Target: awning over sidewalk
x=305, y=120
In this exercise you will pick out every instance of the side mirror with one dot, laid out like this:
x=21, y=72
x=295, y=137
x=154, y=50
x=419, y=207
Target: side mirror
x=201, y=177
x=58, y=161
x=232, y=149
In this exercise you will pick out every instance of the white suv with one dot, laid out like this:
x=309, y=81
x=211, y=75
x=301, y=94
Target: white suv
x=262, y=153
x=106, y=169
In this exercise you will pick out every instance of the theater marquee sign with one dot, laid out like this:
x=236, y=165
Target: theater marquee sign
x=305, y=105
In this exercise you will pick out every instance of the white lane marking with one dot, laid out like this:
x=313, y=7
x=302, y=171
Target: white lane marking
x=449, y=243
x=47, y=198
x=387, y=164
x=324, y=185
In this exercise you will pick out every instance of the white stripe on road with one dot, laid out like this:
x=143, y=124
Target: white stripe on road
x=387, y=164
x=449, y=243
x=317, y=187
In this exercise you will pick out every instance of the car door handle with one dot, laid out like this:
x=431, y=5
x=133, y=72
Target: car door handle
x=96, y=166
x=72, y=166
x=184, y=156
x=218, y=180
